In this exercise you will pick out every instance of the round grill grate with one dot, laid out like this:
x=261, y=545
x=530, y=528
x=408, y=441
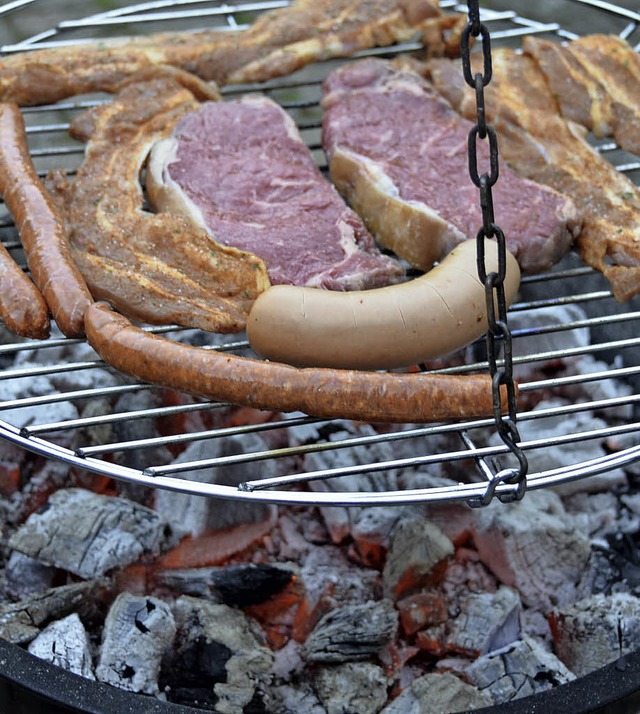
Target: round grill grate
x=66, y=412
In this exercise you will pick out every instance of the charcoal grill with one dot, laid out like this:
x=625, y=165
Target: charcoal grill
x=613, y=326
x=613, y=329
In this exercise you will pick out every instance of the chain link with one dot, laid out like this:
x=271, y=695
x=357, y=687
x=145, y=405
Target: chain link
x=498, y=332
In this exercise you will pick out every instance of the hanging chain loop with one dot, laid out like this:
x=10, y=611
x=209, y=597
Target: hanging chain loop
x=499, y=344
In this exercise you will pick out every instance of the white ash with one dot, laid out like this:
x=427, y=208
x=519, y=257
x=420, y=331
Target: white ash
x=67, y=353
x=194, y=515
x=342, y=521
x=298, y=699
x=437, y=694
x=20, y=622
x=328, y=570
x=20, y=417
x=417, y=548
x=599, y=389
x=596, y=631
x=137, y=632
x=244, y=664
x=65, y=643
x=26, y=576
x=89, y=534
x=352, y=632
x=554, y=456
x=351, y=687
x=486, y=621
x=596, y=514
x=535, y=547
x=522, y=669
x=528, y=342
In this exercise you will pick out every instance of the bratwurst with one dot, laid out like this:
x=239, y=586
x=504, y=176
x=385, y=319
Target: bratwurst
x=40, y=227
x=395, y=326
x=325, y=393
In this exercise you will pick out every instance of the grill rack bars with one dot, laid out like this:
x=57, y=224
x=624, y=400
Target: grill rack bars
x=66, y=366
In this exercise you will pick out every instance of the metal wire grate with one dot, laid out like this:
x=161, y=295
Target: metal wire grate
x=613, y=327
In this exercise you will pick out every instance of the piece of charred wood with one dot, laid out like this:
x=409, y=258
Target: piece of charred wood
x=20, y=622
x=351, y=687
x=137, y=632
x=352, y=632
x=219, y=657
x=90, y=534
x=519, y=670
x=437, y=693
x=235, y=585
x=65, y=643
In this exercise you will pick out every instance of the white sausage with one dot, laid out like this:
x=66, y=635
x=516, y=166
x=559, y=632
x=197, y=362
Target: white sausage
x=385, y=328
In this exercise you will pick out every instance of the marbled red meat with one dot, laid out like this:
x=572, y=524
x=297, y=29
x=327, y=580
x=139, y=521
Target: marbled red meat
x=395, y=145
x=241, y=169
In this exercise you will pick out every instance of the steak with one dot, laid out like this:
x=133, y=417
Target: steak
x=398, y=151
x=241, y=169
x=543, y=145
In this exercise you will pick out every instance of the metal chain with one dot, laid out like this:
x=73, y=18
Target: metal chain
x=498, y=333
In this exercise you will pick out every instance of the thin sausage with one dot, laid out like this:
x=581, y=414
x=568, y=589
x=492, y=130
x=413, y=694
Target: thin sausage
x=22, y=307
x=387, y=328
x=40, y=227
x=326, y=393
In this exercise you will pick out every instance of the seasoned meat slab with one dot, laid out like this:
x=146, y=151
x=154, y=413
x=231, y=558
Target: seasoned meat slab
x=398, y=152
x=596, y=82
x=155, y=268
x=278, y=43
x=540, y=144
x=241, y=170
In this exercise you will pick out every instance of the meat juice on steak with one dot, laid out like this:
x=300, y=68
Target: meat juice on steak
x=242, y=170
x=395, y=128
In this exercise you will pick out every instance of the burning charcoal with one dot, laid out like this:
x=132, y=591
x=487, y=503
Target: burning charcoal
x=437, y=694
x=352, y=633
x=195, y=515
x=417, y=556
x=137, y=632
x=65, y=643
x=596, y=631
x=352, y=687
x=88, y=534
x=39, y=413
x=487, y=621
x=219, y=658
x=421, y=610
x=301, y=699
x=519, y=670
x=535, y=547
x=240, y=585
x=553, y=456
x=20, y=622
x=26, y=576
x=372, y=524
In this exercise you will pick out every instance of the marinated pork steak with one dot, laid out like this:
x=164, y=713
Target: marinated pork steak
x=277, y=43
x=542, y=145
x=398, y=152
x=241, y=169
x=596, y=82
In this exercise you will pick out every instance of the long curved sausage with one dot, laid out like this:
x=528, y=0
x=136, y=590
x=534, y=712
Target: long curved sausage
x=326, y=393
x=396, y=326
x=40, y=227
x=22, y=307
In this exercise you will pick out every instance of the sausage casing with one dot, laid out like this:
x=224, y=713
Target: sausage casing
x=22, y=307
x=40, y=227
x=326, y=393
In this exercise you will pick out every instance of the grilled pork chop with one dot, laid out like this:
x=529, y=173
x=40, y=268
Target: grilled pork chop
x=277, y=43
x=596, y=82
x=398, y=152
x=241, y=170
x=539, y=143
